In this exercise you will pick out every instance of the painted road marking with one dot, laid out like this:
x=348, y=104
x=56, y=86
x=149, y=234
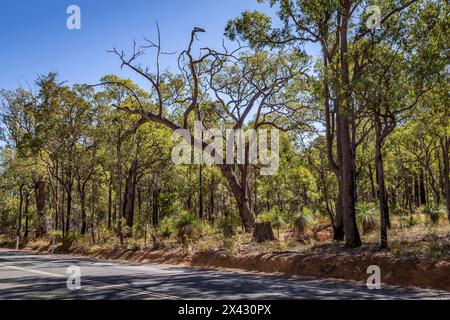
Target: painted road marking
x=102, y=284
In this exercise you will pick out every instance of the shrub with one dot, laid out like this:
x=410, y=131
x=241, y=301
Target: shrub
x=187, y=225
x=433, y=213
x=302, y=222
x=166, y=227
x=56, y=234
x=366, y=215
x=229, y=224
x=70, y=238
x=412, y=221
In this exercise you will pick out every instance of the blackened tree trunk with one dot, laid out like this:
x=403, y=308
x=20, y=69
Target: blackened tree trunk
x=423, y=195
x=27, y=216
x=69, y=207
x=155, y=206
x=83, y=212
x=416, y=192
x=110, y=204
x=445, y=145
x=263, y=232
x=382, y=194
x=19, y=223
x=339, y=222
x=330, y=123
x=40, y=195
x=433, y=184
x=120, y=182
x=352, y=238
x=130, y=195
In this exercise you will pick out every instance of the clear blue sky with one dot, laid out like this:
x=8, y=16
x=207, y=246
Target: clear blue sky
x=35, y=40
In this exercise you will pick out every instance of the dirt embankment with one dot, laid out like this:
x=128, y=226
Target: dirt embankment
x=408, y=272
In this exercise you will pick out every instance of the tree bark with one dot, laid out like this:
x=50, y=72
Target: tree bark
x=83, y=212
x=242, y=197
x=445, y=144
x=352, y=238
x=69, y=208
x=423, y=195
x=200, y=192
x=40, y=195
x=19, y=223
x=110, y=204
x=382, y=194
x=155, y=206
x=27, y=216
x=130, y=195
x=263, y=232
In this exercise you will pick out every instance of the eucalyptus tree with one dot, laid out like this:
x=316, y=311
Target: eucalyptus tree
x=236, y=86
x=341, y=30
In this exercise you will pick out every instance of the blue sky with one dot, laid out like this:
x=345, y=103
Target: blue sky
x=35, y=39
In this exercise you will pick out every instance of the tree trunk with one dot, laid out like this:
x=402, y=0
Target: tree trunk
x=200, y=192
x=83, y=212
x=352, y=237
x=69, y=208
x=27, y=216
x=110, y=204
x=155, y=206
x=119, y=177
x=423, y=195
x=40, y=196
x=339, y=222
x=445, y=144
x=19, y=223
x=434, y=185
x=242, y=197
x=130, y=195
x=263, y=232
x=382, y=194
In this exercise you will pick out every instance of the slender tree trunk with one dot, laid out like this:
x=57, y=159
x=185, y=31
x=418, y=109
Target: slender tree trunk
x=120, y=181
x=155, y=206
x=57, y=198
x=19, y=223
x=445, y=144
x=63, y=218
x=27, y=216
x=83, y=212
x=40, y=196
x=200, y=191
x=434, y=185
x=69, y=207
x=130, y=195
x=372, y=183
x=423, y=195
x=382, y=194
x=110, y=204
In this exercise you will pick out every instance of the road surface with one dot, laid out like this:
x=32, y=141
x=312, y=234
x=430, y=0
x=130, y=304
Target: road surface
x=33, y=276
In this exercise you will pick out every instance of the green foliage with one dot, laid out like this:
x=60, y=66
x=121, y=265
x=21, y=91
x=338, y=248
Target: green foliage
x=433, y=213
x=166, y=227
x=71, y=238
x=367, y=215
x=228, y=224
x=188, y=226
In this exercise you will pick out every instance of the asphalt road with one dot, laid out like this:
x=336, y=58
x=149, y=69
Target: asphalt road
x=31, y=276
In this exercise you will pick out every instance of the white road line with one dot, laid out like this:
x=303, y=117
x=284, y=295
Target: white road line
x=102, y=284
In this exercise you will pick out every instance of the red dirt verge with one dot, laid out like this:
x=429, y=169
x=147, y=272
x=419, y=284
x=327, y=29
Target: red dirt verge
x=406, y=272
